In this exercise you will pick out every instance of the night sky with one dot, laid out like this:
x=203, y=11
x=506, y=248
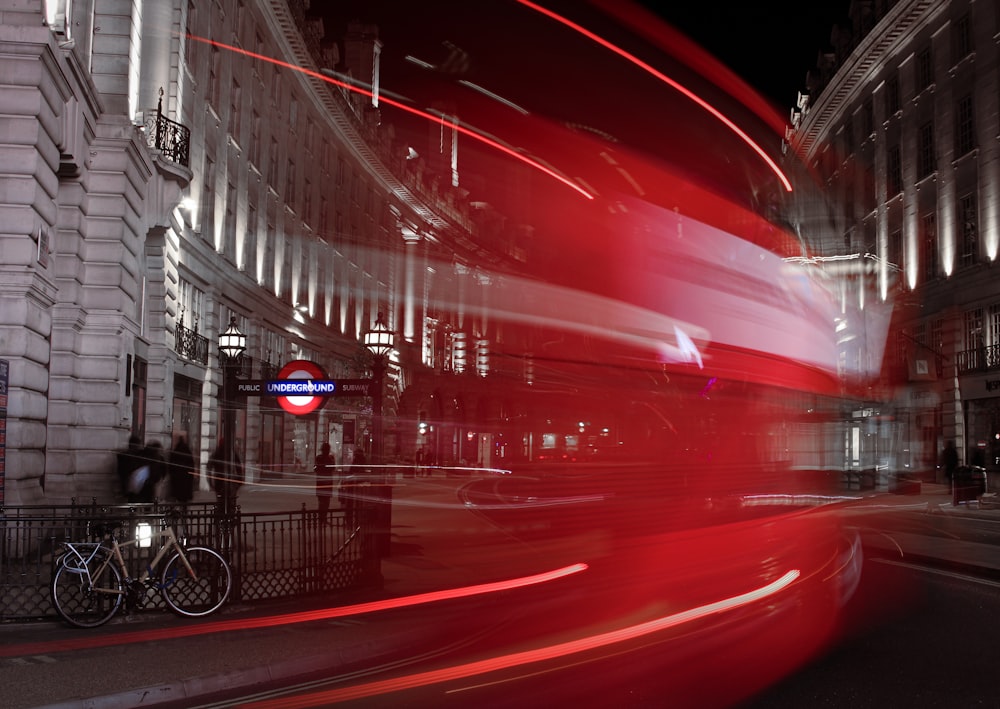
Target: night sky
x=771, y=44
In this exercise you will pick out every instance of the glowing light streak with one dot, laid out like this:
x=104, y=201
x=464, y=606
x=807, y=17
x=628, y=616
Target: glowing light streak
x=670, y=82
x=495, y=97
x=83, y=642
x=475, y=135
x=542, y=654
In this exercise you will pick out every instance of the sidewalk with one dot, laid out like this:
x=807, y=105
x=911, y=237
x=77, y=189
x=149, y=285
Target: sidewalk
x=137, y=660
x=935, y=499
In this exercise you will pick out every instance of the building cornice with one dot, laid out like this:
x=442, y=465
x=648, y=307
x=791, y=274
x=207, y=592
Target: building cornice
x=288, y=36
x=854, y=77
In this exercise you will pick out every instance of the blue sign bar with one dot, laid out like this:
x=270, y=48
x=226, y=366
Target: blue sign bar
x=301, y=387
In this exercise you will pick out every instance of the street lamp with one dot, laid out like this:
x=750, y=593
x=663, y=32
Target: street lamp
x=232, y=344
x=380, y=341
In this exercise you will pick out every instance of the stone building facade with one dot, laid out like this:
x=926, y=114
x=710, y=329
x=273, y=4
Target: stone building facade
x=902, y=125
x=157, y=186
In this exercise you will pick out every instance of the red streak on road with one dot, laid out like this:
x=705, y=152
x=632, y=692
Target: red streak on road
x=82, y=642
x=537, y=655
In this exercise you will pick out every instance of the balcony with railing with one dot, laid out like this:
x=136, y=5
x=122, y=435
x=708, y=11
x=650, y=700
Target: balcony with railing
x=189, y=344
x=172, y=139
x=979, y=359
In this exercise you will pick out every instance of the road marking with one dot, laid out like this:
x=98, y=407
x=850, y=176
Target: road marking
x=940, y=572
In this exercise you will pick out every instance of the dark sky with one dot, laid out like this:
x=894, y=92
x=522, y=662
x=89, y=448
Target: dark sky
x=769, y=43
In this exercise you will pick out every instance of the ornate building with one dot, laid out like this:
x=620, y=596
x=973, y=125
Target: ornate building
x=158, y=185
x=901, y=124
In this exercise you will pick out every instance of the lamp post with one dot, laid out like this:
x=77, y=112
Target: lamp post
x=380, y=341
x=232, y=344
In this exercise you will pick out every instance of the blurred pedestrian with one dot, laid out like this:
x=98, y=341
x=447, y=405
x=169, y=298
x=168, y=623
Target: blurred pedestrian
x=227, y=476
x=348, y=496
x=949, y=459
x=182, y=472
x=325, y=470
x=129, y=462
x=153, y=457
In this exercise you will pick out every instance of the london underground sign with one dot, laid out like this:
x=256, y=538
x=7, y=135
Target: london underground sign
x=302, y=387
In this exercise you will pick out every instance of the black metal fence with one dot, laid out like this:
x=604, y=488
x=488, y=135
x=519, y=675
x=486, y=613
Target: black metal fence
x=272, y=554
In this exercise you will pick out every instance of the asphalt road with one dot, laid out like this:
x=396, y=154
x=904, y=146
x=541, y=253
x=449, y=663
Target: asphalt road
x=923, y=637
x=913, y=632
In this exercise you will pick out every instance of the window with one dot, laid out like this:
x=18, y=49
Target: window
x=973, y=329
x=849, y=137
x=235, y=106
x=926, y=163
x=937, y=335
x=894, y=172
x=255, y=139
x=229, y=246
x=963, y=37
x=272, y=164
x=207, y=218
x=868, y=117
x=214, y=71
x=192, y=48
x=290, y=185
x=307, y=202
x=925, y=69
x=250, y=242
x=192, y=304
x=993, y=325
x=968, y=229
x=929, y=225
x=892, y=96
x=965, y=134
x=895, y=255
x=266, y=277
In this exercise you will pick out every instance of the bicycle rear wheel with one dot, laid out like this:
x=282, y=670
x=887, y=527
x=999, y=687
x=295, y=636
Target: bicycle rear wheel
x=203, y=592
x=82, y=599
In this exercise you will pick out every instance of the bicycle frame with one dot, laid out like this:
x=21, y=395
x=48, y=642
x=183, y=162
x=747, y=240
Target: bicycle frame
x=115, y=555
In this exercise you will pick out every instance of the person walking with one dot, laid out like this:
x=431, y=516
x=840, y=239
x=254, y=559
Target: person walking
x=949, y=460
x=182, y=472
x=325, y=469
x=129, y=463
x=348, y=497
x=227, y=477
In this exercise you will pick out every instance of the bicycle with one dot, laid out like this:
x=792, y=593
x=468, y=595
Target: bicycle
x=91, y=579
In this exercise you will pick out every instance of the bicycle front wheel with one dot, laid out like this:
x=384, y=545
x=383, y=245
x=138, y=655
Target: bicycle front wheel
x=83, y=599
x=201, y=591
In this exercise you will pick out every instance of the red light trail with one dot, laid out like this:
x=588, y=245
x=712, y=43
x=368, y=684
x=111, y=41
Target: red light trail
x=94, y=641
x=530, y=656
x=670, y=82
x=496, y=145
